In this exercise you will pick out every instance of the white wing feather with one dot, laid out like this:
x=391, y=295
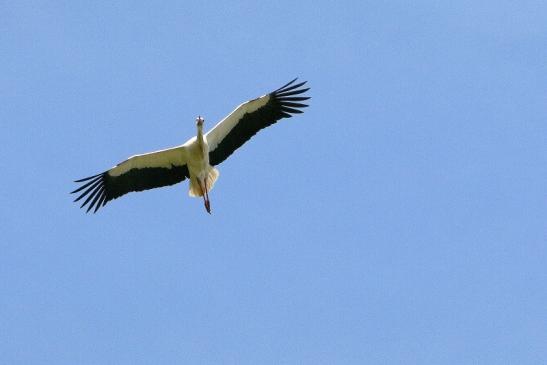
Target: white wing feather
x=166, y=158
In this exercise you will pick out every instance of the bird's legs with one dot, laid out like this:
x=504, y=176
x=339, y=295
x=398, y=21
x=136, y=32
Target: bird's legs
x=207, y=201
x=205, y=193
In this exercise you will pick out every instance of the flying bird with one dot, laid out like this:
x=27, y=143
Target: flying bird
x=196, y=159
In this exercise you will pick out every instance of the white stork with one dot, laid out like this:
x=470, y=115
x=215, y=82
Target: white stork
x=196, y=158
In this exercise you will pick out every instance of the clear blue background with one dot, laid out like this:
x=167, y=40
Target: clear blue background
x=401, y=219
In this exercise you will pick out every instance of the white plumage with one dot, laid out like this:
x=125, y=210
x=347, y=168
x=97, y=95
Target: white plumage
x=196, y=158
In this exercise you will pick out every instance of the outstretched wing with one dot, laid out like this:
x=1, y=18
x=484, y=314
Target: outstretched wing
x=250, y=117
x=137, y=173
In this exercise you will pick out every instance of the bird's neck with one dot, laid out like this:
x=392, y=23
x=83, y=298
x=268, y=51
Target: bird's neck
x=200, y=136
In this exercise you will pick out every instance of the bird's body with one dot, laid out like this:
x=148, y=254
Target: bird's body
x=202, y=174
x=196, y=158
x=198, y=165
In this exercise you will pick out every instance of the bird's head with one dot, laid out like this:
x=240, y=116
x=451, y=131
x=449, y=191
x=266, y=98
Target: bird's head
x=199, y=121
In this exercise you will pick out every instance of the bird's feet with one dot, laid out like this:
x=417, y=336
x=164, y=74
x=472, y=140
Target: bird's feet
x=208, y=206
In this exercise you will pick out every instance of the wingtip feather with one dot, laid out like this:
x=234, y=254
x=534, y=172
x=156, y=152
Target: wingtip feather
x=292, y=92
x=287, y=84
x=289, y=88
x=87, y=178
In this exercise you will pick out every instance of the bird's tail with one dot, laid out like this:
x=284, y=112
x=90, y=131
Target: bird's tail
x=212, y=176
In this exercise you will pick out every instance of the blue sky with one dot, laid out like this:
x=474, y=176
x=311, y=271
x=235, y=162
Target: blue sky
x=401, y=219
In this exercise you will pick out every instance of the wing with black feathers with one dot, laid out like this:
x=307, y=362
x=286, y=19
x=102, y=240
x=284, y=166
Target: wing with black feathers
x=138, y=173
x=250, y=117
